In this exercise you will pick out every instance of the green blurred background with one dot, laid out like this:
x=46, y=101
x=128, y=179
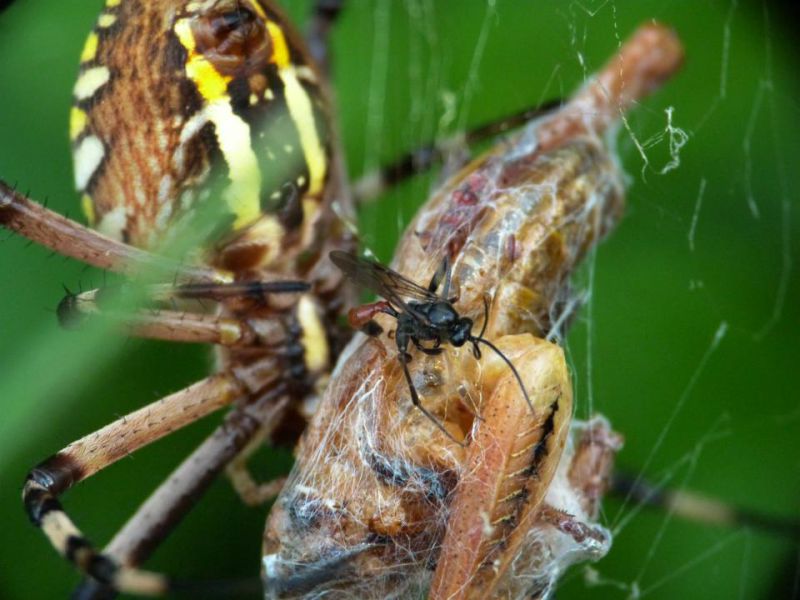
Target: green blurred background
x=707, y=247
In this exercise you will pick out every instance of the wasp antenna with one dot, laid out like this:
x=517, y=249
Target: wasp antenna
x=485, y=317
x=510, y=366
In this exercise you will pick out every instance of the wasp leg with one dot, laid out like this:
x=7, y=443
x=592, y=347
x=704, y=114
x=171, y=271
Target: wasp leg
x=166, y=507
x=443, y=272
x=66, y=237
x=435, y=351
x=405, y=358
x=420, y=160
x=324, y=17
x=94, y=452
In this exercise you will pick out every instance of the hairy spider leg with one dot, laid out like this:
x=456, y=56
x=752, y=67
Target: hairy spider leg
x=68, y=238
x=94, y=452
x=420, y=160
x=178, y=325
x=699, y=508
x=167, y=506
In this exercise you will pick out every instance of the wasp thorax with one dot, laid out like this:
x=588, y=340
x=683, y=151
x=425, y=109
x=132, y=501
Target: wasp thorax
x=233, y=38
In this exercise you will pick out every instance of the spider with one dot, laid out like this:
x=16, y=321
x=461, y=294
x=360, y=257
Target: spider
x=182, y=109
x=102, y=407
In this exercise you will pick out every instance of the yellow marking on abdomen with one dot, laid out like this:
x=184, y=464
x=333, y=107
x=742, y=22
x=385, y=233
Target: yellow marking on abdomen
x=77, y=123
x=233, y=132
x=87, y=205
x=90, y=48
x=106, y=20
x=313, y=338
x=233, y=136
x=302, y=113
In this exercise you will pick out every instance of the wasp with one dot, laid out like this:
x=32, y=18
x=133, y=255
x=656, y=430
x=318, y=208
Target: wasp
x=426, y=316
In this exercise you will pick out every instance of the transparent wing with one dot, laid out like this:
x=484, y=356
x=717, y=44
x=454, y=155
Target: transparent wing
x=382, y=280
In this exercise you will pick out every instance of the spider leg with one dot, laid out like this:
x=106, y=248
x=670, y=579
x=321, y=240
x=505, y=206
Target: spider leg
x=175, y=325
x=693, y=506
x=323, y=18
x=66, y=237
x=94, y=452
x=249, y=490
x=188, y=327
x=420, y=160
x=166, y=507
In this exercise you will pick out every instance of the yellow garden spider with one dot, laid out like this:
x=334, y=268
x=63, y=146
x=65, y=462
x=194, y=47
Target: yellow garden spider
x=504, y=13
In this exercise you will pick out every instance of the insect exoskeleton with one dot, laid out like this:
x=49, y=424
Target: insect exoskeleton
x=500, y=498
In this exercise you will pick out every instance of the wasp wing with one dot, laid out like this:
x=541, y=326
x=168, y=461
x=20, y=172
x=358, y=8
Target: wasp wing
x=383, y=281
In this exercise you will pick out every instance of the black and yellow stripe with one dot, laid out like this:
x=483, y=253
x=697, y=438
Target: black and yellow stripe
x=40, y=496
x=233, y=106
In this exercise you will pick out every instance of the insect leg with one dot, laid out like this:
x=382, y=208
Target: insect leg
x=569, y=525
x=51, y=230
x=435, y=351
x=94, y=452
x=404, y=357
x=443, y=272
x=511, y=459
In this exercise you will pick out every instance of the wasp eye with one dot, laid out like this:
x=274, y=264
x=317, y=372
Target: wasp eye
x=234, y=39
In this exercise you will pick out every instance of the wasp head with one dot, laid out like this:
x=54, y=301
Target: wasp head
x=462, y=332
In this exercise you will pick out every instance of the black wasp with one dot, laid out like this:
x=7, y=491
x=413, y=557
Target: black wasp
x=422, y=315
